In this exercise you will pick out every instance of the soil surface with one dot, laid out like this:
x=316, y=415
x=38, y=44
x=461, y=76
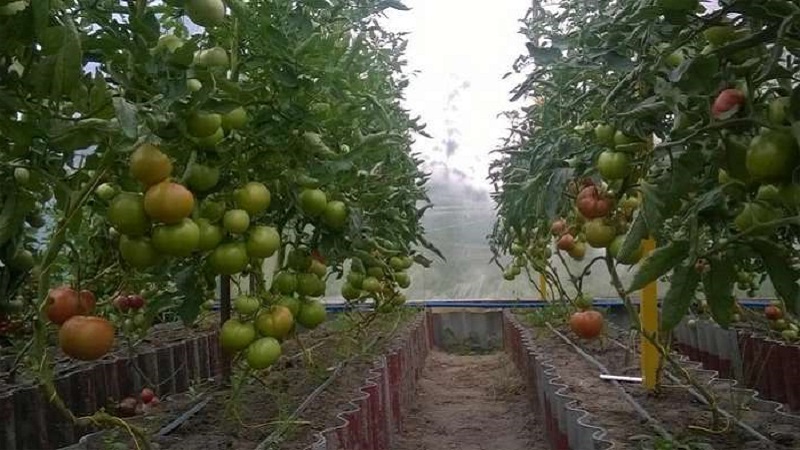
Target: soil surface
x=673, y=407
x=471, y=402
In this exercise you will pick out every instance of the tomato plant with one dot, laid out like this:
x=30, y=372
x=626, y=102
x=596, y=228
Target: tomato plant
x=133, y=144
x=688, y=137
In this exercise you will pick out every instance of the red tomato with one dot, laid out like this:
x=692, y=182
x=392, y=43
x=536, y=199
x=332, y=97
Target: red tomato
x=558, y=227
x=566, y=242
x=64, y=302
x=147, y=395
x=727, y=100
x=586, y=324
x=592, y=205
x=773, y=312
x=86, y=337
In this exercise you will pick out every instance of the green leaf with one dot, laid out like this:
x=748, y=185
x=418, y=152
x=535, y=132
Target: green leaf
x=651, y=207
x=393, y=4
x=543, y=55
x=193, y=296
x=679, y=296
x=661, y=261
x=718, y=285
x=783, y=277
x=633, y=240
x=7, y=223
x=126, y=114
x=41, y=15
x=60, y=70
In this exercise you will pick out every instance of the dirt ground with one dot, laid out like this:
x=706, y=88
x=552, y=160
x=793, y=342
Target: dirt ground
x=471, y=402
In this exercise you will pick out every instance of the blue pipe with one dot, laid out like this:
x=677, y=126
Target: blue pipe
x=608, y=302
x=602, y=302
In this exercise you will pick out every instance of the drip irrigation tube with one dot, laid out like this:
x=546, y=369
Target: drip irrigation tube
x=628, y=398
x=172, y=426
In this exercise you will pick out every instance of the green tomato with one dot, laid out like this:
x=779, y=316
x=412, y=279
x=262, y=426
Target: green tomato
x=235, y=119
x=598, y=233
x=335, y=215
x=755, y=214
x=203, y=124
x=371, y=284
x=312, y=314
x=212, y=57
x=778, y=111
x=180, y=239
x=284, y=283
x=211, y=210
x=22, y=176
x=355, y=279
x=138, y=252
x=772, y=156
x=719, y=35
x=246, y=305
x=126, y=213
x=229, y=259
x=403, y=279
x=790, y=195
x=206, y=13
x=263, y=242
x=193, y=85
x=769, y=193
x=210, y=235
x=675, y=58
x=604, y=134
x=236, y=336
x=236, y=221
x=613, y=165
x=253, y=197
x=313, y=202
x=202, y=178
x=349, y=292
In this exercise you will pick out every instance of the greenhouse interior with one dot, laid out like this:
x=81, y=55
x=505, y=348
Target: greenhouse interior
x=399, y=225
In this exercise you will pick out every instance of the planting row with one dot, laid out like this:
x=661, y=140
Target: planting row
x=583, y=411
x=370, y=368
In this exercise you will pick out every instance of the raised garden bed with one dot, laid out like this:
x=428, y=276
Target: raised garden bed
x=350, y=392
x=631, y=416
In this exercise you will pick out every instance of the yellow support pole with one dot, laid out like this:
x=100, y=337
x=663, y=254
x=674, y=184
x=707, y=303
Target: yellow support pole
x=648, y=315
x=543, y=284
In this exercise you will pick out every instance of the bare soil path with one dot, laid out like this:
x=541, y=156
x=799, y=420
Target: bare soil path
x=471, y=402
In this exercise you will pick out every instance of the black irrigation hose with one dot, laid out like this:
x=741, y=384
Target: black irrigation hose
x=747, y=428
x=172, y=426
x=655, y=424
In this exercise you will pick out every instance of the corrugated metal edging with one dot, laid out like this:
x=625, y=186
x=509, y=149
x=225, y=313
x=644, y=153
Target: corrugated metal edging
x=756, y=361
x=463, y=330
x=371, y=420
x=567, y=426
